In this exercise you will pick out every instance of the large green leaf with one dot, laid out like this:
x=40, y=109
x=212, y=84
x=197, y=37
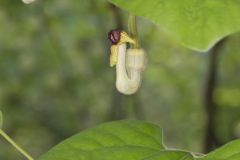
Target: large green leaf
x=171, y=155
x=130, y=140
x=230, y=151
x=198, y=24
x=115, y=140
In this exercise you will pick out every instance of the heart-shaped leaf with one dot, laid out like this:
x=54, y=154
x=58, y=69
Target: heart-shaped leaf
x=130, y=140
x=116, y=140
x=196, y=24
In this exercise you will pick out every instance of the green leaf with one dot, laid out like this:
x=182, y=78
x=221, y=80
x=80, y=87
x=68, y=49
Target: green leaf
x=230, y=151
x=1, y=119
x=234, y=157
x=171, y=155
x=196, y=24
x=138, y=154
x=115, y=140
x=226, y=151
x=130, y=140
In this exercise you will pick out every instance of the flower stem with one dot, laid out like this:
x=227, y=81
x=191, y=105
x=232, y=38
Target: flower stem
x=132, y=27
x=15, y=145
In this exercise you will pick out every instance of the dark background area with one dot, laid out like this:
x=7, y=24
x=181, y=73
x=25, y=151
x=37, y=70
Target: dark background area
x=55, y=79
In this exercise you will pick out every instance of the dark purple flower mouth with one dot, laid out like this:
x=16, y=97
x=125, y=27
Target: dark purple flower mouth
x=114, y=36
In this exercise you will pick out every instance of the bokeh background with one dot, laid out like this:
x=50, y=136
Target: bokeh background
x=55, y=79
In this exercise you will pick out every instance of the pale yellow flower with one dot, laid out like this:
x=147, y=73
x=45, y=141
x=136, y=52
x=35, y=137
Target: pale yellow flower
x=28, y=1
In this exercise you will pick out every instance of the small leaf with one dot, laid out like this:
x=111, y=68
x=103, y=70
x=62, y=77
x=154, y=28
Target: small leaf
x=1, y=119
x=230, y=151
x=115, y=140
x=196, y=24
x=226, y=151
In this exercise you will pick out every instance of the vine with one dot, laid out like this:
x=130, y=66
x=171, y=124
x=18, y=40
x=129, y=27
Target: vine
x=12, y=142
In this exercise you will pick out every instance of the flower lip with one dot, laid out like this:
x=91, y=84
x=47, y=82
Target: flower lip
x=114, y=36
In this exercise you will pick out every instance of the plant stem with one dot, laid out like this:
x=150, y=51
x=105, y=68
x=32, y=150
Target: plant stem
x=211, y=139
x=15, y=145
x=132, y=27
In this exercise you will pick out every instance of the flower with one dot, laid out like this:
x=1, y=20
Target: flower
x=130, y=63
x=28, y=1
x=117, y=37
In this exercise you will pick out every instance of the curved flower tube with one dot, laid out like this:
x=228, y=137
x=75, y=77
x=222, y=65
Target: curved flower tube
x=28, y=1
x=129, y=68
x=130, y=63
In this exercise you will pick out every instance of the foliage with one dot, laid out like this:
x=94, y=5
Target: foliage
x=196, y=24
x=129, y=140
x=55, y=78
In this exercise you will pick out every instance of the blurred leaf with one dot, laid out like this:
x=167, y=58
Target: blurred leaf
x=115, y=140
x=1, y=119
x=228, y=97
x=196, y=24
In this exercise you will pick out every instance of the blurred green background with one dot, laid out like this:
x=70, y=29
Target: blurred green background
x=55, y=79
